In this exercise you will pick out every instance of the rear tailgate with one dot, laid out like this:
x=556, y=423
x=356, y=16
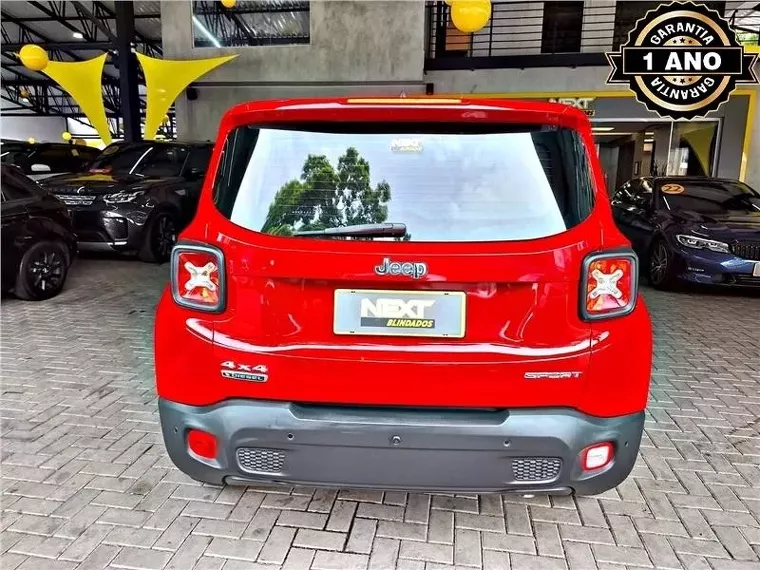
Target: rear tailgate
x=523, y=342
x=498, y=215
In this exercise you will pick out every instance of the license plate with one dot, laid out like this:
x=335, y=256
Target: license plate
x=756, y=270
x=399, y=313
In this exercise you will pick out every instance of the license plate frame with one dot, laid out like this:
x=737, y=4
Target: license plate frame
x=448, y=312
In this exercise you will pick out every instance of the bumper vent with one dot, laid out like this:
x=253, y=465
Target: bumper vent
x=747, y=250
x=260, y=460
x=536, y=468
x=743, y=280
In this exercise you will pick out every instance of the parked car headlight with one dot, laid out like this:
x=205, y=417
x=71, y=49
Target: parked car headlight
x=121, y=197
x=702, y=243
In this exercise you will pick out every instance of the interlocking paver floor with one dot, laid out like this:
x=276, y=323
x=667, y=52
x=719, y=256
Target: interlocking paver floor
x=86, y=483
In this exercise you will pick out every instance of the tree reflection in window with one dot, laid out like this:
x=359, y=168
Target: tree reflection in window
x=328, y=197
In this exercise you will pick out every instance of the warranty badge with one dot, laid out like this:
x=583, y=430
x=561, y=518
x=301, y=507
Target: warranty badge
x=682, y=60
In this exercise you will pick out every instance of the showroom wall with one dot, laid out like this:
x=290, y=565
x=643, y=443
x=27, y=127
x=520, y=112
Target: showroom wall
x=378, y=48
x=42, y=129
x=373, y=47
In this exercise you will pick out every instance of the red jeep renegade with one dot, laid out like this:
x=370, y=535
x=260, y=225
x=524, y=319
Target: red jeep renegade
x=416, y=294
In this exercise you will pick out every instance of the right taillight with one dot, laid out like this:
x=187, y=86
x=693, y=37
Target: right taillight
x=197, y=277
x=609, y=285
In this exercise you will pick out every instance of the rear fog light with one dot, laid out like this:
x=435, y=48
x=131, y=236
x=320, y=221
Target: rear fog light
x=597, y=456
x=201, y=443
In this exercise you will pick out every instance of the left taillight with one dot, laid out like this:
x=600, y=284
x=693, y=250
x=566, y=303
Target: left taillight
x=609, y=285
x=197, y=277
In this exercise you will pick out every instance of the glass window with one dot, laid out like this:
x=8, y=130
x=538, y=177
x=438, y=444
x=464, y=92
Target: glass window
x=58, y=158
x=119, y=158
x=561, y=30
x=444, y=183
x=626, y=16
x=250, y=23
x=163, y=161
x=708, y=196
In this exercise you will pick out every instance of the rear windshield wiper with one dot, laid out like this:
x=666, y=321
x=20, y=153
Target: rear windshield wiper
x=368, y=230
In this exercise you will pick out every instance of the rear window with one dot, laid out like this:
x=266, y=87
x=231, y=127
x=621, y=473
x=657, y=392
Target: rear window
x=442, y=182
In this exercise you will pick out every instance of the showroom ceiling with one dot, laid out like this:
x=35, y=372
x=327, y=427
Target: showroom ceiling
x=69, y=31
x=79, y=30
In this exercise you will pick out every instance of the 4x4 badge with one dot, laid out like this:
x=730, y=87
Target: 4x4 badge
x=416, y=270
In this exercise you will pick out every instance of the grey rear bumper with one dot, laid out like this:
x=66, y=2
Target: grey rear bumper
x=521, y=450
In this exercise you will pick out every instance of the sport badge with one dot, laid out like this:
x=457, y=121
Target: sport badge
x=682, y=60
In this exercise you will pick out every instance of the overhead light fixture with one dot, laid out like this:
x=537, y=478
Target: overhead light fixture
x=648, y=140
x=78, y=35
x=602, y=129
x=649, y=134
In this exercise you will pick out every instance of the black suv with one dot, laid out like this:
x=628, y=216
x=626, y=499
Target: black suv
x=37, y=242
x=136, y=197
x=42, y=160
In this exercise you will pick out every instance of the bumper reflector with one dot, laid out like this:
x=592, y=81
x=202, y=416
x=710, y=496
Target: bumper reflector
x=201, y=443
x=597, y=456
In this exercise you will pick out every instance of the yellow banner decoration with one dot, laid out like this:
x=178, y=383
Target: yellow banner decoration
x=165, y=80
x=83, y=81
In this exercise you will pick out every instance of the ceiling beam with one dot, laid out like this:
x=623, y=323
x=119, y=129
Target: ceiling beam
x=58, y=19
x=63, y=46
x=155, y=45
x=24, y=81
x=97, y=22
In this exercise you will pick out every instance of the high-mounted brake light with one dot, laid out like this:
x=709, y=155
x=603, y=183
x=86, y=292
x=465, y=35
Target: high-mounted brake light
x=197, y=277
x=403, y=101
x=609, y=285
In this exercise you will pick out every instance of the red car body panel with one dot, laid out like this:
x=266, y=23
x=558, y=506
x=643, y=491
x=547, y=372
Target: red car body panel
x=524, y=331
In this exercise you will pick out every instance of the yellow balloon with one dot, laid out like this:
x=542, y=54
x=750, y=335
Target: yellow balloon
x=31, y=140
x=469, y=16
x=66, y=135
x=24, y=92
x=34, y=57
x=229, y=3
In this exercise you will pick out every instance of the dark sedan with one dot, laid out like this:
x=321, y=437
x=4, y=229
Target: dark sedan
x=136, y=197
x=38, y=244
x=692, y=229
